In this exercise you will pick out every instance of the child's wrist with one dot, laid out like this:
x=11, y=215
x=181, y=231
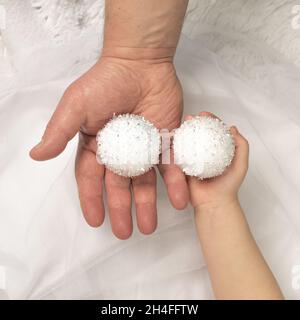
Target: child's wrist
x=217, y=206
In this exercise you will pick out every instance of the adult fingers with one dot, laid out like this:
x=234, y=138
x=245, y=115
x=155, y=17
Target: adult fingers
x=89, y=176
x=144, y=190
x=119, y=204
x=62, y=127
x=176, y=184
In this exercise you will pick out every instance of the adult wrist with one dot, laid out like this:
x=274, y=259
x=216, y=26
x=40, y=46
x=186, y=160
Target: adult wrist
x=151, y=55
x=142, y=29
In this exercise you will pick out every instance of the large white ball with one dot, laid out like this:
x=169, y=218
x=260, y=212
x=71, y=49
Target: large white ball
x=203, y=147
x=128, y=145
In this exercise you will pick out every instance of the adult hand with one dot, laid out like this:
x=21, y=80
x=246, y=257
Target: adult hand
x=147, y=87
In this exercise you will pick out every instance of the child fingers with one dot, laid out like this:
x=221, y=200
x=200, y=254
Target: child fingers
x=188, y=117
x=242, y=149
x=201, y=114
x=208, y=114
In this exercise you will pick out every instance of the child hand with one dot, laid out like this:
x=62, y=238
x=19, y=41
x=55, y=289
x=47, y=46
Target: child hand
x=236, y=271
x=224, y=188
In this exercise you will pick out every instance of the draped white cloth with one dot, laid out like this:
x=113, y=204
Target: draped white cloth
x=46, y=248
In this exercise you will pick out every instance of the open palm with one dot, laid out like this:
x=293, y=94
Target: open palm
x=118, y=86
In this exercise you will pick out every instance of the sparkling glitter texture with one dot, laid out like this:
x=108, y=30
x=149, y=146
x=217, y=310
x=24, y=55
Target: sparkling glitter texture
x=203, y=147
x=128, y=145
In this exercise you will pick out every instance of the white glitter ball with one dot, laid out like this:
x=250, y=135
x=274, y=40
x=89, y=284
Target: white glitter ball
x=128, y=145
x=203, y=147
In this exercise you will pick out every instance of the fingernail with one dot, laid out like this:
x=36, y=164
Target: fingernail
x=188, y=117
x=38, y=145
x=234, y=129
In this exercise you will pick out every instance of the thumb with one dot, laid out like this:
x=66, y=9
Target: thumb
x=62, y=127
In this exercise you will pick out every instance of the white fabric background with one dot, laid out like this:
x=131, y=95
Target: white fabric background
x=233, y=65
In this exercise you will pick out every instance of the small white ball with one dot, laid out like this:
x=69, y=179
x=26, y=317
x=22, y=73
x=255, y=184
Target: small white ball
x=203, y=147
x=128, y=145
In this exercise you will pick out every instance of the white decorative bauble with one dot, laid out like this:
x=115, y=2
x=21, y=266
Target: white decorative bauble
x=203, y=147
x=128, y=145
